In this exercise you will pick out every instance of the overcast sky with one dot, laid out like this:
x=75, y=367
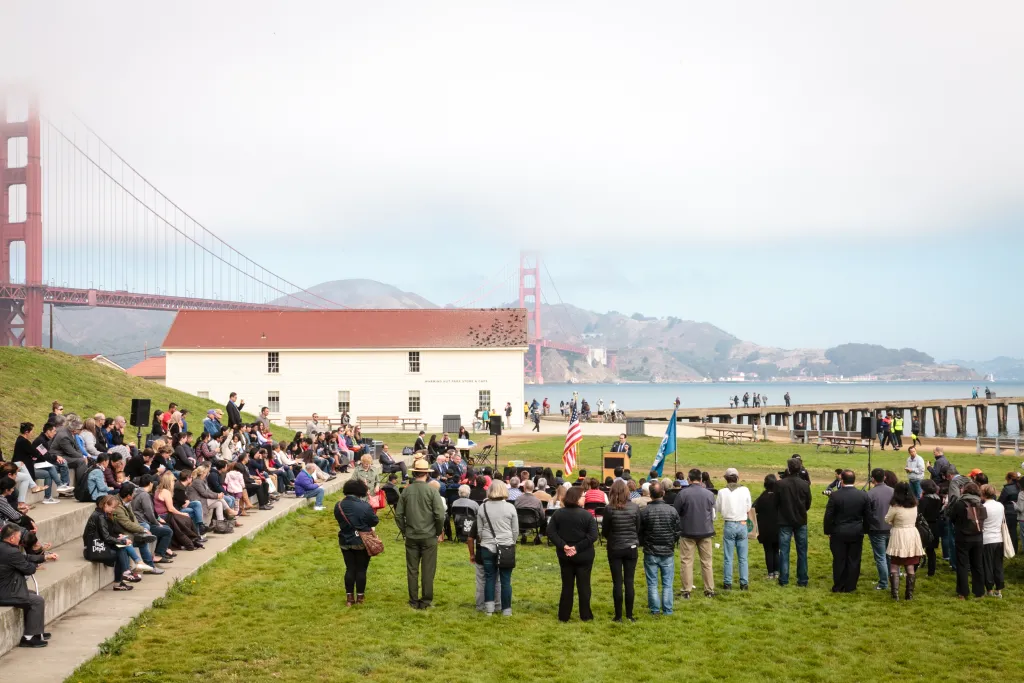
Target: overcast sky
x=798, y=173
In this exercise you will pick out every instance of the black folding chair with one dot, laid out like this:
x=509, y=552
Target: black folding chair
x=598, y=511
x=464, y=518
x=391, y=496
x=529, y=518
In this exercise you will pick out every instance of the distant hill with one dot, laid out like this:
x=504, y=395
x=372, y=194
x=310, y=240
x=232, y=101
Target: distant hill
x=648, y=348
x=1002, y=368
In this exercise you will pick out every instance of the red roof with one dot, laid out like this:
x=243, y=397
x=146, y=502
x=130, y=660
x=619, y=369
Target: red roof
x=151, y=367
x=414, y=328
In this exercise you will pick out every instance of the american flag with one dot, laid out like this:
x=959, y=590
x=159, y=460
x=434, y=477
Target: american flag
x=572, y=440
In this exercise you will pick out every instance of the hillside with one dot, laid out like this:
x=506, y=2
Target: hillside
x=31, y=379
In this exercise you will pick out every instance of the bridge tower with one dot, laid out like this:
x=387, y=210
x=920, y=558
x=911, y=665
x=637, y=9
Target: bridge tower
x=21, y=321
x=529, y=298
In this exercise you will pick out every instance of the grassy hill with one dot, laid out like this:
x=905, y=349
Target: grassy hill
x=31, y=379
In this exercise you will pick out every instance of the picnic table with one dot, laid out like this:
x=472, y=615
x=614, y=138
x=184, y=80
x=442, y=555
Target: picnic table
x=838, y=443
x=732, y=436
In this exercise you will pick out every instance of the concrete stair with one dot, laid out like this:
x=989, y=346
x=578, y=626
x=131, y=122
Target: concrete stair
x=72, y=584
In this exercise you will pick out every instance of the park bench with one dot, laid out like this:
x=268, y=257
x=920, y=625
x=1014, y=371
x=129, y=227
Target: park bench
x=379, y=421
x=998, y=444
x=300, y=421
x=838, y=443
x=732, y=435
x=412, y=422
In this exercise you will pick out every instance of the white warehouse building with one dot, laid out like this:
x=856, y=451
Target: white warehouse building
x=412, y=364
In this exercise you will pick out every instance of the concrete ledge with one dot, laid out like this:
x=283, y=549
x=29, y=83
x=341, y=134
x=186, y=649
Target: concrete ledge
x=81, y=614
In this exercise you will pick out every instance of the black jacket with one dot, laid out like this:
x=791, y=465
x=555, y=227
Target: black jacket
x=233, y=413
x=99, y=528
x=14, y=567
x=360, y=518
x=659, y=528
x=26, y=453
x=622, y=527
x=573, y=527
x=938, y=468
x=767, y=518
x=792, y=500
x=1008, y=496
x=136, y=468
x=846, y=514
x=214, y=482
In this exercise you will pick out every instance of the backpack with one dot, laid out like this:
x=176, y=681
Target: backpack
x=925, y=531
x=82, y=487
x=976, y=515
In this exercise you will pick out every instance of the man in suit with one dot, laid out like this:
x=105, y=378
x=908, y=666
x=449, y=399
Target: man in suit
x=389, y=465
x=622, y=446
x=234, y=410
x=846, y=521
x=441, y=470
x=458, y=467
x=420, y=444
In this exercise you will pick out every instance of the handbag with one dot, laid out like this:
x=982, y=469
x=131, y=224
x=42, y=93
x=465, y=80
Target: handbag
x=1008, y=551
x=506, y=553
x=371, y=541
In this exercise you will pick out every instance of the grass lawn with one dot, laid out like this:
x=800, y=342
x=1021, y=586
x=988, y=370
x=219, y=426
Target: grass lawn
x=31, y=379
x=273, y=610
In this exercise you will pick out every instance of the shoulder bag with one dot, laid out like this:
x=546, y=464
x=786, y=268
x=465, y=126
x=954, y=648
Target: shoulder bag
x=506, y=553
x=1008, y=550
x=374, y=546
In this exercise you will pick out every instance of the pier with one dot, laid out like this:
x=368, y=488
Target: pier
x=844, y=417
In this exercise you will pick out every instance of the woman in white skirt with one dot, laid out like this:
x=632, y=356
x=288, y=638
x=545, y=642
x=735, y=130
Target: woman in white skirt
x=905, y=547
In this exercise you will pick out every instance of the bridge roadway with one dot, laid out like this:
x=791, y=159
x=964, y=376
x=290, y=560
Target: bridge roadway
x=848, y=416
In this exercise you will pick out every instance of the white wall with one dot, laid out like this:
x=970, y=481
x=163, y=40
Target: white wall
x=378, y=381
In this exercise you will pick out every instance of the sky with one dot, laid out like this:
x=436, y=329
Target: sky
x=801, y=174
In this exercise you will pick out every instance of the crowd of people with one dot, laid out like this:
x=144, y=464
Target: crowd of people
x=153, y=503
x=906, y=523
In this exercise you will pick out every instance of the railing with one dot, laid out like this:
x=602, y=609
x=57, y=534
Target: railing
x=998, y=444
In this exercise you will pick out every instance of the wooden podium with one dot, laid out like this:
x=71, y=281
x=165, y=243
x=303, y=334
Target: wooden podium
x=609, y=461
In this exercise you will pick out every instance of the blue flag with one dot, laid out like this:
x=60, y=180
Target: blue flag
x=667, y=447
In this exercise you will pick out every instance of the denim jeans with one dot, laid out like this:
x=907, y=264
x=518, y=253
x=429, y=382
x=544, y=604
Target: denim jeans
x=195, y=510
x=318, y=494
x=915, y=487
x=949, y=544
x=734, y=539
x=163, y=538
x=491, y=570
x=659, y=593
x=879, y=542
x=786, y=534
x=49, y=477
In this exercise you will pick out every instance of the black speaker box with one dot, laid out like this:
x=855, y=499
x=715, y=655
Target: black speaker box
x=868, y=427
x=140, y=412
x=495, y=425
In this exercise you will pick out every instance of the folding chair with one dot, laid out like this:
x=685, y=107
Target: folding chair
x=391, y=496
x=598, y=510
x=529, y=518
x=464, y=518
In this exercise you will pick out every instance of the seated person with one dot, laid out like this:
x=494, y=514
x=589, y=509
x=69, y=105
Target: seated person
x=14, y=567
x=96, y=478
x=388, y=464
x=529, y=501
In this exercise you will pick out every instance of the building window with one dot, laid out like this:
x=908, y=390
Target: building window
x=485, y=399
x=344, y=402
x=414, y=401
x=414, y=361
x=274, y=401
x=203, y=394
x=273, y=362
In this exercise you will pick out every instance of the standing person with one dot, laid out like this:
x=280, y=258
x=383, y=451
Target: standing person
x=696, y=508
x=878, y=529
x=536, y=420
x=792, y=501
x=937, y=470
x=967, y=517
x=234, y=410
x=930, y=506
x=573, y=530
x=915, y=429
x=508, y=414
x=897, y=430
x=992, y=542
x=905, y=548
x=621, y=526
x=768, y=526
x=733, y=504
x=915, y=471
x=1008, y=497
x=787, y=399
x=353, y=515
x=846, y=520
x=622, y=446
x=420, y=517
x=496, y=524
x=659, y=529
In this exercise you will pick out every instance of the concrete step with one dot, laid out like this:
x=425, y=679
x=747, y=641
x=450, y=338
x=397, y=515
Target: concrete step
x=74, y=584
x=62, y=522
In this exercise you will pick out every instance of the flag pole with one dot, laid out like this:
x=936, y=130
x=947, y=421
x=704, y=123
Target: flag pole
x=675, y=449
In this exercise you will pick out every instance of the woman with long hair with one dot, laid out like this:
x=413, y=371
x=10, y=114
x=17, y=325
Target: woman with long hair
x=185, y=535
x=354, y=514
x=905, y=548
x=621, y=527
x=573, y=531
x=930, y=506
x=558, y=500
x=103, y=545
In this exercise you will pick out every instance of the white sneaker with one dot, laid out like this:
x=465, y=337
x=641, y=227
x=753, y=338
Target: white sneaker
x=318, y=508
x=69, y=487
x=143, y=567
x=50, y=501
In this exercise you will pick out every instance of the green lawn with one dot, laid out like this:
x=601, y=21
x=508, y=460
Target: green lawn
x=31, y=379
x=273, y=610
